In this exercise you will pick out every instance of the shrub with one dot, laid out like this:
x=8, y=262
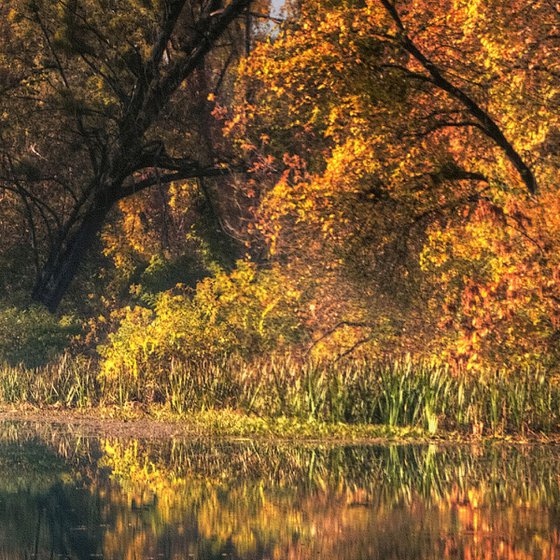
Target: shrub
x=33, y=336
x=246, y=312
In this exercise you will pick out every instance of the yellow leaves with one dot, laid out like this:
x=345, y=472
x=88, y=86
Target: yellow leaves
x=500, y=305
x=245, y=312
x=379, y=159
x=436, y=252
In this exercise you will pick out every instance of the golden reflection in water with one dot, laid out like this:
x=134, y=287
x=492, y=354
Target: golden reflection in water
x=126, y=499
x=407, y=503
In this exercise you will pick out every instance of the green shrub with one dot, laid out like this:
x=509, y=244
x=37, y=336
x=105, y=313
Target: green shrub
x=33, y=336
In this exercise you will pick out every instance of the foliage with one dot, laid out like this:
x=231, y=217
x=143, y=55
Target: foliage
x=164, y=238
x=494, y=276
x=33, y=336
x=247, y=312
x=384, y=173
x=102, y=101
x=408, y=136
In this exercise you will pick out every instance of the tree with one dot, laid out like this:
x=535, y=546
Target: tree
x=407, y=118
x=89, y=94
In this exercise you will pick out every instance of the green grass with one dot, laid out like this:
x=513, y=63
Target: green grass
x=281, y=395
x=231, y=423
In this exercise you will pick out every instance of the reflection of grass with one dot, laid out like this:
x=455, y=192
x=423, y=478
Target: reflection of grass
x=383, y=474
x=379, y=476
x=264, y=500
x=231, y=423
x=285, y=396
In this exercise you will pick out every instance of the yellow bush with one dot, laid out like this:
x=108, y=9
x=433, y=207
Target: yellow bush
x=247, y=312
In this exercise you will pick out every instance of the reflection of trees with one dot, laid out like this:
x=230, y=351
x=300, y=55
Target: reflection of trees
x=41, y=513
x=290, y=502
x=131, y=499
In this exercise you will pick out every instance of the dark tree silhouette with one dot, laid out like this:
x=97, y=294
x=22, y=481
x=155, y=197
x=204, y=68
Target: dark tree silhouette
x=87, y=91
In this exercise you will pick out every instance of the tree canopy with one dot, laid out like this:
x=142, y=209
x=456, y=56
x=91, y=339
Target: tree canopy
x=384, y=172
x=101, y=100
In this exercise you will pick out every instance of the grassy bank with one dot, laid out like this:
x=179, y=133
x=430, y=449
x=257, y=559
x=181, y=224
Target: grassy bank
x=290, y=396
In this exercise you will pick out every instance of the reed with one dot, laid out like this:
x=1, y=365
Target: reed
x=70, y=382
x=399, y=392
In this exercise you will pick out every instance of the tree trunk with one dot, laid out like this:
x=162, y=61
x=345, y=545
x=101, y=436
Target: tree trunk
x=64, y=262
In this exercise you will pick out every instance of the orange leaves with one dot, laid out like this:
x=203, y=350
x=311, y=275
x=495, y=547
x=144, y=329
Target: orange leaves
x=399, y=190
x=495, y=273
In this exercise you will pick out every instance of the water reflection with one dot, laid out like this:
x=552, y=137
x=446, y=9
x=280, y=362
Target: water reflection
x=63, y=496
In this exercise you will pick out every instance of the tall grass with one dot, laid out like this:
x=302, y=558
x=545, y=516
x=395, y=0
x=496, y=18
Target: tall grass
x=70, y=382
x=402, y=392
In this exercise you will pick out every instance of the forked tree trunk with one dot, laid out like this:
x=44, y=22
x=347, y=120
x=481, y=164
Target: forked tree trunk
x=151, y=93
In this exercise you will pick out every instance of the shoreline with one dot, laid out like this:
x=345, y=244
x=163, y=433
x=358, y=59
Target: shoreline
x=138, y=422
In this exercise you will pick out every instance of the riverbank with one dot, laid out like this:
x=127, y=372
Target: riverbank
x=289, y=398
x=158, y=423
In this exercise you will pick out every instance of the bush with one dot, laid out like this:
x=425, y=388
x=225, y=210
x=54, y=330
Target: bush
x=32, y=337
x=246, y=312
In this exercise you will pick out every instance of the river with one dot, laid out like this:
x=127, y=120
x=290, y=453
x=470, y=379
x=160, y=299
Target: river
x=73, y=496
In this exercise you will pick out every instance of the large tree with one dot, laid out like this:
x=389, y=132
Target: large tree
x=99, y=100
x=422, y=201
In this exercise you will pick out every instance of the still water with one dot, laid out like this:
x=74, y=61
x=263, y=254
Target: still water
x=71, y=496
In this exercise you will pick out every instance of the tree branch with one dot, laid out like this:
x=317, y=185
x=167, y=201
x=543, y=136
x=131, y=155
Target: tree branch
x=339, y=325
x=192, y=173
x=491, y=128
x=210, y=29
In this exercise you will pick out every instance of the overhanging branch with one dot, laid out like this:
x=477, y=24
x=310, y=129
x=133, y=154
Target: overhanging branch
x=488, y=124
x=193, y=173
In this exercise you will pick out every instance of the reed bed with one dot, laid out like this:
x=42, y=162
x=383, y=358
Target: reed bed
x=401, y=392
x=70, y=382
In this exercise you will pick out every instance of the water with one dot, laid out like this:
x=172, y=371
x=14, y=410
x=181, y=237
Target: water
x=71, y=496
